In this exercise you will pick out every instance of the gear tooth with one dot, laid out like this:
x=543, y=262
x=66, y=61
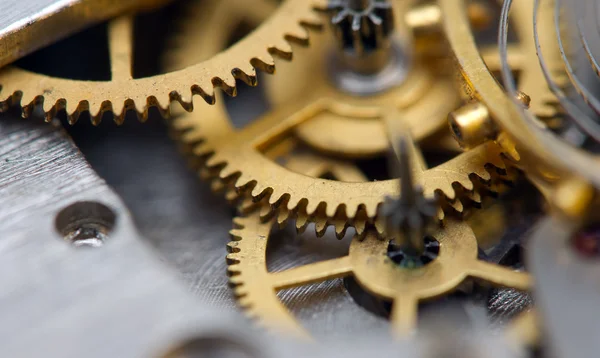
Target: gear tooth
x=301, y=222
x=332, y=210
x=266, y=211
x=282, y=50
x=467, y=185
x=228, y=172
x=245, y=302
x=379, y=225
x=232, y=248
x=235, y=281
x=457, y=205
x=442, y=188
x=311, y=207
x=27, y=99
x=371, y=210
x=265, y=61
x=232, y=259
x=245, y=73
x=231, y=195
x=246, y=205
x=213, y=161
x=117, y=107
x=240, y=222
x=360, y=226
x=293, y=204
x=475, y=197
x=277, y=197
x=354, y=211
x=340, y=229
x=283, y=216
x=226, y=83
x=71, y=107
x=440, y=214
x=321, y=227
x=233, y=270
x=217, y=186
x=244, y=180
x=206, y=91
x=236, y=234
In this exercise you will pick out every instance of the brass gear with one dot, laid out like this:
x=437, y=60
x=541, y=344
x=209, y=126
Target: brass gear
x=427, y=96
x=369, y=264
x=289, y=24
x=236, y=159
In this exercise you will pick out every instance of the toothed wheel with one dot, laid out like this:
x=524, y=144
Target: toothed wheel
x=455, y=261
x=123, y=93
x=239, y=162
x=236, y=162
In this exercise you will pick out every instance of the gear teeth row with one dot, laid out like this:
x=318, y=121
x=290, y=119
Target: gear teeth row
x=235, y=273
x=228, y=68
x=454, y=198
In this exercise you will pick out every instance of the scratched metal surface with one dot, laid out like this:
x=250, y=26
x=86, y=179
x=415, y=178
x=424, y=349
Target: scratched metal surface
x=60, y=301
x=119, y=300
x=188, y=224
x=178, y=215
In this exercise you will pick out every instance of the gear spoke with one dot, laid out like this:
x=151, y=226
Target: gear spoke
x=120, y=42
x=500, y=275
x=404, y=315
x=307, y=274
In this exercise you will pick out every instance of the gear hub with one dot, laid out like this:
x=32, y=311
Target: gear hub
x=362, y=26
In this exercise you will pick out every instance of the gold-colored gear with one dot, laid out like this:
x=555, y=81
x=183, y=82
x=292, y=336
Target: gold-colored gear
x=429, y=96
x=236, y=159
x=368, y=263
x=425, y=97
x=289, y=24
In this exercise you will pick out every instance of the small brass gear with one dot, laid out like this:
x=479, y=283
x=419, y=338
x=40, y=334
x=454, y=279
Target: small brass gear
x=122, y=93
x=368, y=262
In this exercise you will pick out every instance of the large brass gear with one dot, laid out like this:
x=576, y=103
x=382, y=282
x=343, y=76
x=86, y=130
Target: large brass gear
x=236, y=159
x=289, y=24
x=427, y=96
x=369, y=264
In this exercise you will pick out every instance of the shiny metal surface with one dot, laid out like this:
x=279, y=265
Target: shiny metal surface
x=58, y=300
x=27, y=25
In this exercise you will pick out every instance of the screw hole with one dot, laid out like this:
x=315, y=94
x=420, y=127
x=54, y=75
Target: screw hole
x=85, y=223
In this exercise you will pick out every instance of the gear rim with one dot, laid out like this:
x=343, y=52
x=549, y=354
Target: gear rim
x=256, y=288
x=257, y=51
